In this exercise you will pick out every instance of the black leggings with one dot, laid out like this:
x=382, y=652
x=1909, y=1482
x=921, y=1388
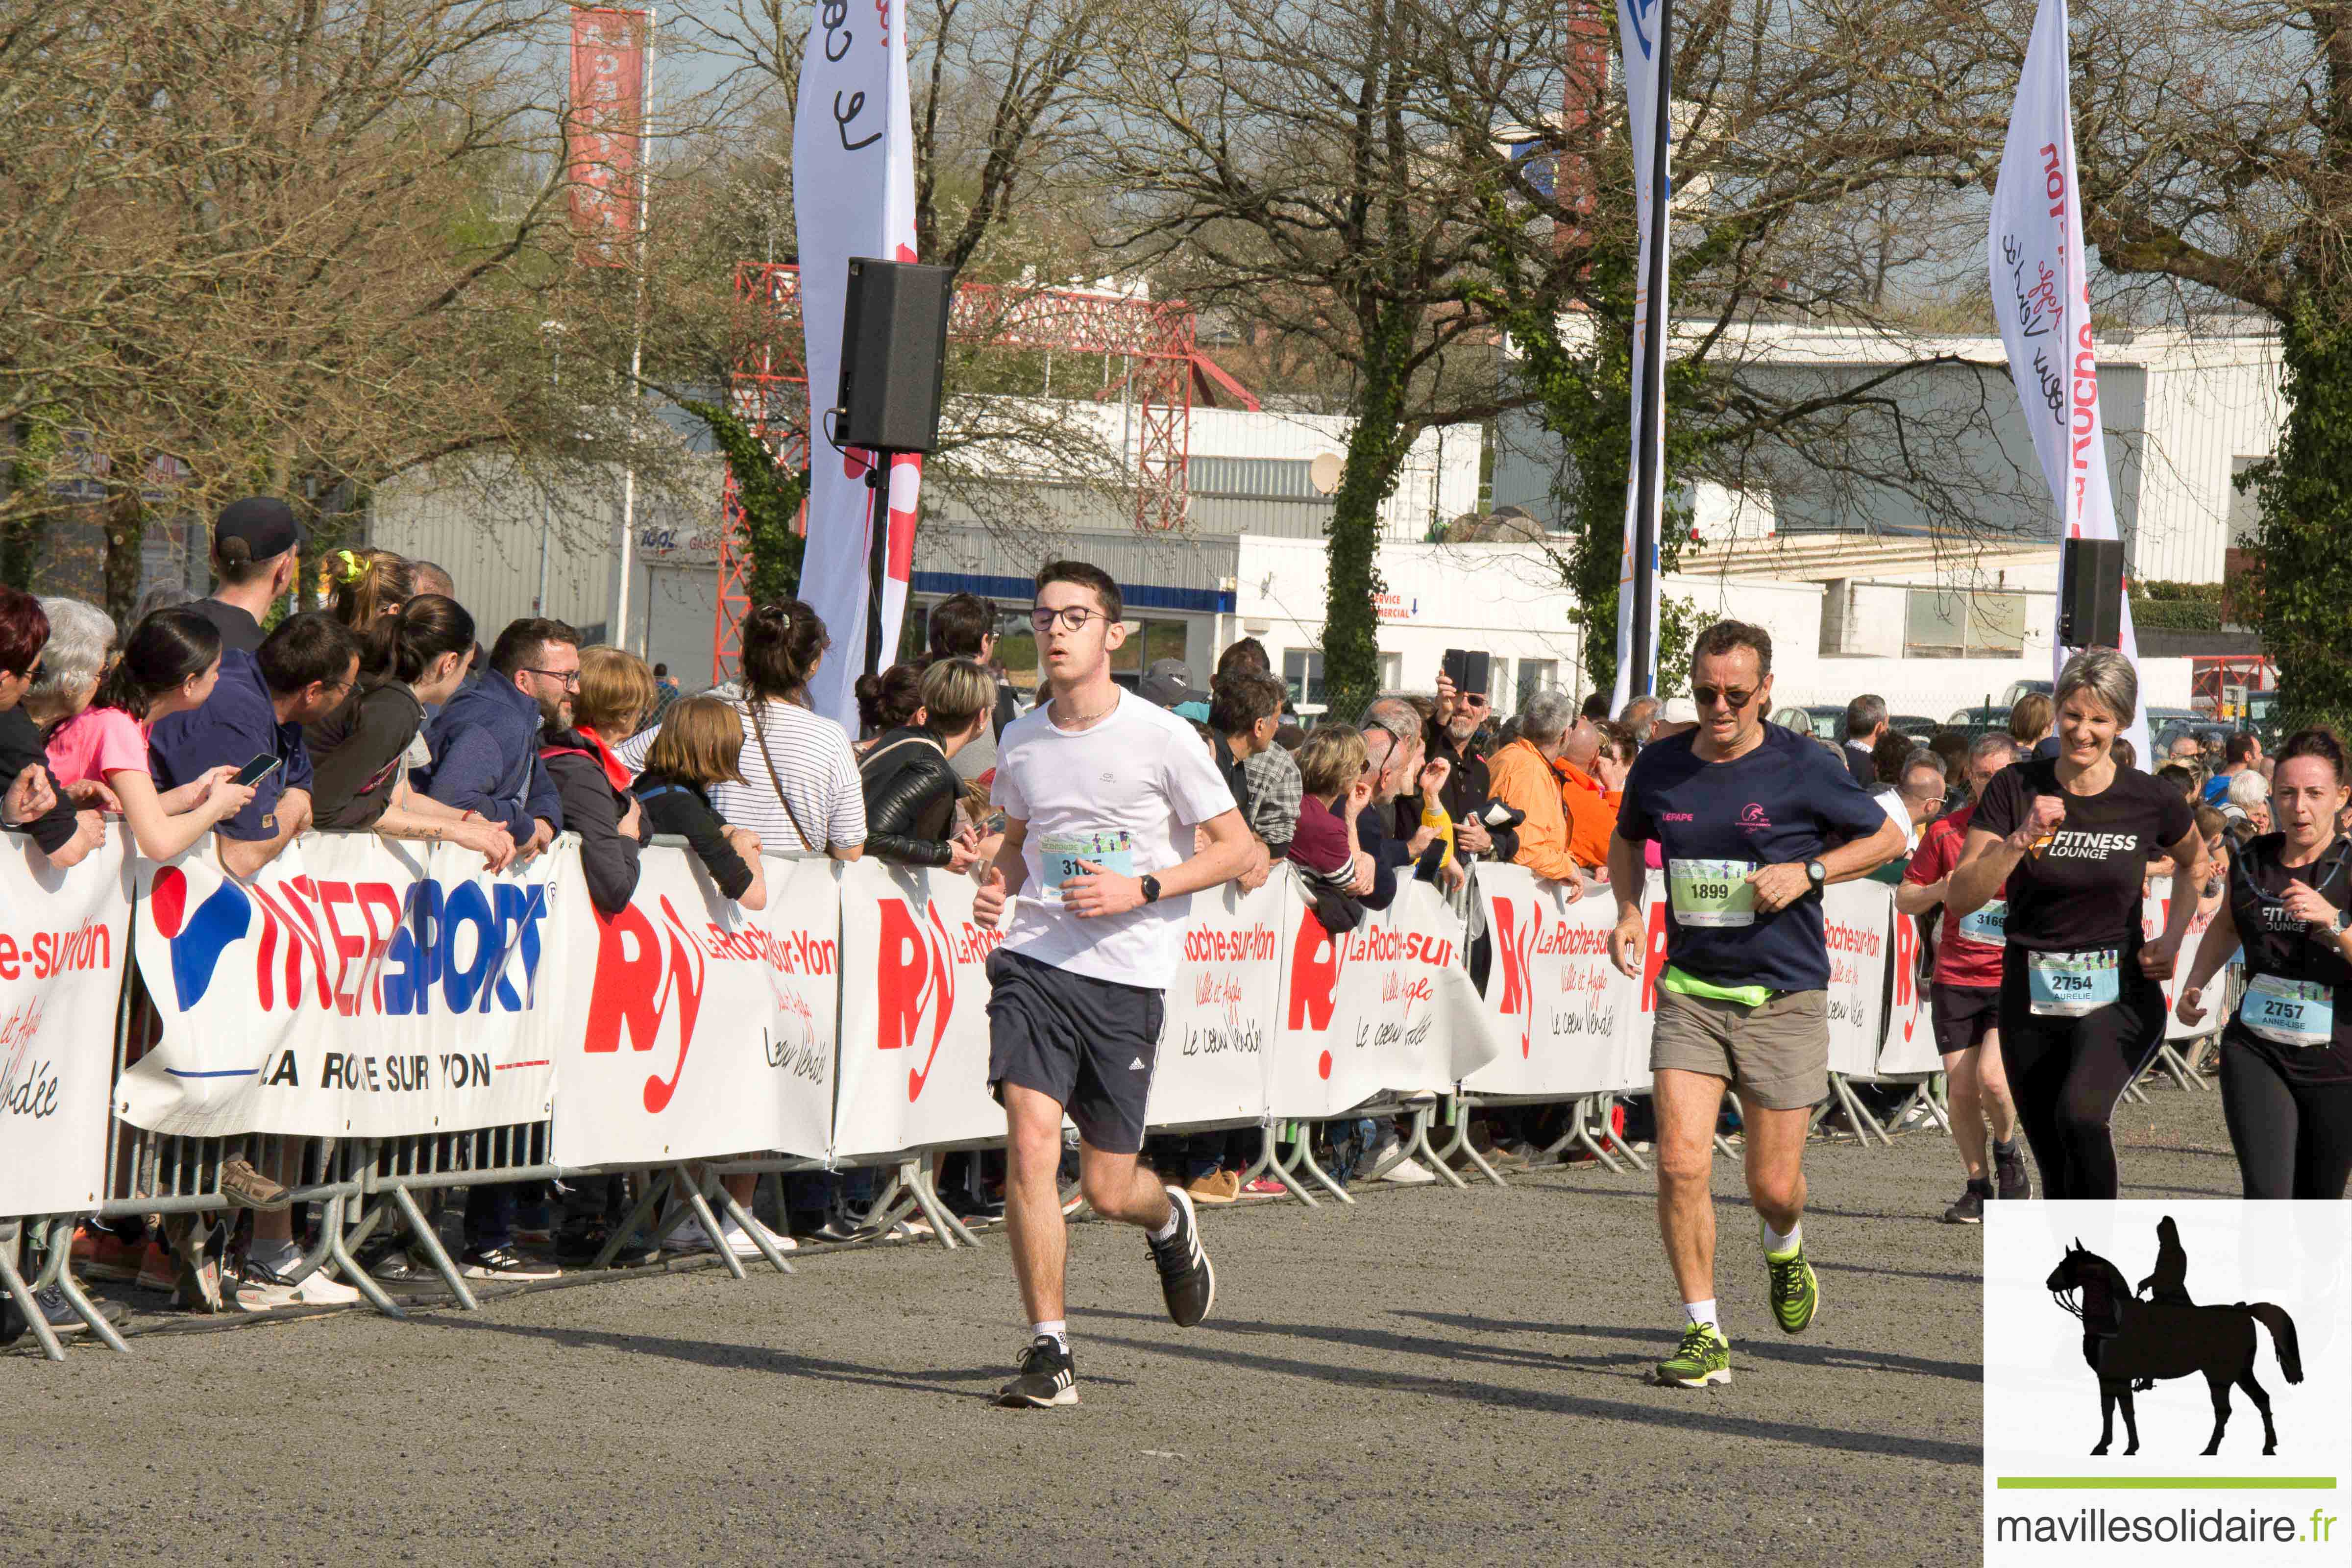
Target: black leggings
x=2066, y=1074
x=2293, y=1140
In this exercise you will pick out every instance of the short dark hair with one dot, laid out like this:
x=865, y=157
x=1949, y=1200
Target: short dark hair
x=518, y=646
x=1596, y=707
x=1723, y=636
x=1238, y=700
x=305, y=650
x=1863, y=714
x=2316, y=742
x=959, y=624
x=1085, y=575
x=23, y=629
x=1249, y=654
x=2237, y=748
x=660, y=670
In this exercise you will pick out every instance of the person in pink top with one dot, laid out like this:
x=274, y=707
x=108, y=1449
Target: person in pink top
x=168, y=666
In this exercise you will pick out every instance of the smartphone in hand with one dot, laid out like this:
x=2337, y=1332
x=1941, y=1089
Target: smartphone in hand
x=254, y=772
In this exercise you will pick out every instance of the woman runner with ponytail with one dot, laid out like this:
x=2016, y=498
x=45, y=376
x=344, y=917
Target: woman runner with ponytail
x=2286, y=1051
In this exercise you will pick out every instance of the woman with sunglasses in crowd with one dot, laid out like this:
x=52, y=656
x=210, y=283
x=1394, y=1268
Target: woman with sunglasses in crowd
x=2081, y=999
x=2287, y=1052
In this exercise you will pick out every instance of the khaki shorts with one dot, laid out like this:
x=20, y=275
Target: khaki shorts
x=1777, y=1054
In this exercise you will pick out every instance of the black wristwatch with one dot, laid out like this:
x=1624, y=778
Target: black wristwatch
x=1151, y=890
x=1817, y=874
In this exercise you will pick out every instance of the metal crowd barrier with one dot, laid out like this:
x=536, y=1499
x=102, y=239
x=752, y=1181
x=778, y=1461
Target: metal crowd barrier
x=364, y=1185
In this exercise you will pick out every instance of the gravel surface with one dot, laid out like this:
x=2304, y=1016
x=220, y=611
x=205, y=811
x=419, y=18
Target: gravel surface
x=1428, y=1374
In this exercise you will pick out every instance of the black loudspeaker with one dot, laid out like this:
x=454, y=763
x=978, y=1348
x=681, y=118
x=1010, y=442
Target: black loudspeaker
x=894, y=347
x=2091, y=601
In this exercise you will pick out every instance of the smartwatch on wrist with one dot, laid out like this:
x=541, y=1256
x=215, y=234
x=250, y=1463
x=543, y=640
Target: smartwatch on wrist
x=1151, y=890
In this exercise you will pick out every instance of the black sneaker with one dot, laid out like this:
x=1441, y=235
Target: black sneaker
x=1969, y=1210
x=1049, y=1377
x=63, y=1319
x=1185, y=1275
x=2010, y=1171
x=503, y=1263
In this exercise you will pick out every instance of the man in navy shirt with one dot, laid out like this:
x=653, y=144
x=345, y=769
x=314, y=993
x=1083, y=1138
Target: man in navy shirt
x=1744, y=813
x=485, y=741
x=302, y=673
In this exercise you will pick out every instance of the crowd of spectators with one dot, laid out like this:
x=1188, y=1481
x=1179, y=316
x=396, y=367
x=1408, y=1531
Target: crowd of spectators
x=230, y=724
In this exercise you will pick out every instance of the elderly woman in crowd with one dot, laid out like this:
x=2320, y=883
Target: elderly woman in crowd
x=81, y=649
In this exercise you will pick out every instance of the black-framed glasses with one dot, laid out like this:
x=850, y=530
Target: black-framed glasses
x=1707, y=696
x=1072, y=619
x=571, y=678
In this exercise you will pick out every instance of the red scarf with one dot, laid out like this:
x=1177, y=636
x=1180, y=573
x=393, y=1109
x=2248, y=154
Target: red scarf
x=616, y=771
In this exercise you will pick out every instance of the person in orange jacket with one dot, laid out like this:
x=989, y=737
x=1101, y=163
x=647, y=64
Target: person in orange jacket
x=1520, y=775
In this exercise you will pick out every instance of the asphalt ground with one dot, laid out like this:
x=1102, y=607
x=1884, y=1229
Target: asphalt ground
x=1429, y=1374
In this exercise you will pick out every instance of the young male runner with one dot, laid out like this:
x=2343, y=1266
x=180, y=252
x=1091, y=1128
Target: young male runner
x=1745, y=813
x=1101, y=793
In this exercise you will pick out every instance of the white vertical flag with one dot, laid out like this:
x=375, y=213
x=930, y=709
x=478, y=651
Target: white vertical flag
x=852, y=195
x=2042, y=297
x=1640, y=44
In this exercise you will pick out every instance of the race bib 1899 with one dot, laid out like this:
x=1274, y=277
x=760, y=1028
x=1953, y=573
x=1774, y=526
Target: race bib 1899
x=1711, y=892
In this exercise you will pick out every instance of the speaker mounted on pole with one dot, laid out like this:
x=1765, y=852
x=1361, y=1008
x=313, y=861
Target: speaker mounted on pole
x=894, y=349
x=2091, y=596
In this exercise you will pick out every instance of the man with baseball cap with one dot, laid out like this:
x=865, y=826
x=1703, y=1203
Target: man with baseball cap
x=255, y=546
x=1168, y=684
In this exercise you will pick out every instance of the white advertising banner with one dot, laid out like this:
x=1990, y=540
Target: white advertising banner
x=913, y=1013
x=2154, y=910
x=1218, y=1028
x=852, y=195
x=701, y=1027
x=1855, y=919
x=1550, y=988
x=2042, y=298
x=64, y=946
x=356, y=987
x=1908, y=1045
x=1385, y=1007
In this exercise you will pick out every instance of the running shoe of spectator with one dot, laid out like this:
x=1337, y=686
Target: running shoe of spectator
x=503, y=1263
x=196, y=1249
x=1969, y=1210
x=975, y=1211
x=1186, y=1278
x=581, y=1242
x=262, y=1289
x=1409, y=1173
x=157, y=1271
x=60, y=1314
x=689, y=1237
x=247, y=1188
x=1216, y=1187
x=1266, y=1187
x=1048, y=1376
x=99, y=1254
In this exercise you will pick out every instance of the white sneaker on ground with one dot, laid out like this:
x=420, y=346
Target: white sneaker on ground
x=689, y=1237
x=261, y=1288
x=741, y=1242
x=1407, y=1172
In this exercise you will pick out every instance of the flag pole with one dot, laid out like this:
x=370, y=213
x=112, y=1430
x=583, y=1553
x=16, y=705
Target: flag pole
x=627, y=567
x=1652, y=435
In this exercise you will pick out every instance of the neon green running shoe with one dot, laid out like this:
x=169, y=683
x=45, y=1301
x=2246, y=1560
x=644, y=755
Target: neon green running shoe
x=1703, y=1357
x=1796, y=1294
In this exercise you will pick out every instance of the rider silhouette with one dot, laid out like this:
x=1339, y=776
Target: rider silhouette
x=2170, y=1279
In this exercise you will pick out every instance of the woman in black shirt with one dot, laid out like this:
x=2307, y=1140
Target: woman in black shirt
x=2286, y=1053
x=2082, y=1000
x=362, y=753
x=911, y=790
x=701, y=744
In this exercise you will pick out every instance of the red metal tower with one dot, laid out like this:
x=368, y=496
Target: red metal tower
x=770, y=392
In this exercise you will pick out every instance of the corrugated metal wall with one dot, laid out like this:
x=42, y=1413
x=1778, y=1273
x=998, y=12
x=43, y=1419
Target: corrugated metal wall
x=483, y=523
x=2210, y=403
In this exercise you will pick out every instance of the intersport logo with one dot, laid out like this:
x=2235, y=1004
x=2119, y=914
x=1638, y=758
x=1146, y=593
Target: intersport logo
x=915, y=981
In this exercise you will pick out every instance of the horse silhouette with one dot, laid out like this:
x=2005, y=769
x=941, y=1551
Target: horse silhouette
x=2125, y=1339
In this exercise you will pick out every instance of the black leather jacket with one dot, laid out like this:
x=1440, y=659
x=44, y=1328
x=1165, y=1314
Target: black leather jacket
x=910, y=796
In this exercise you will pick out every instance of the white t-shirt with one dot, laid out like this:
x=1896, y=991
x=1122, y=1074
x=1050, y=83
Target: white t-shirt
x=1125, y=794
x=1898, y=812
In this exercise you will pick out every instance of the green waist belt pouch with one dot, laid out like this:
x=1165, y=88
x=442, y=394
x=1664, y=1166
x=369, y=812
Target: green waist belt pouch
x=1675, y=980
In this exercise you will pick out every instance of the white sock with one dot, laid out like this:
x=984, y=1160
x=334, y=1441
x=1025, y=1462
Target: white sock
x=1775, y=1242
x=1165, y=1231
x=1703, y=1312
x=278, y=1256
x=1059, y=1328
